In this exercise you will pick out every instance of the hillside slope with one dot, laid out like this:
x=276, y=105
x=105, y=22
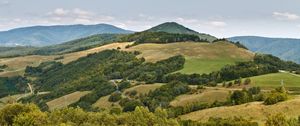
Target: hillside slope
x=285, y=48
x=66, y=47
x=173, y=27
x=200, y=57
x=254, y=111
x=50, y=35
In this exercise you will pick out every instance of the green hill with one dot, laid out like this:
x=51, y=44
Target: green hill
x=173, y=27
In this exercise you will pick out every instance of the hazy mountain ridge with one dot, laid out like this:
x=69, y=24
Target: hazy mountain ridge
x=285, y=48
x=50, y=35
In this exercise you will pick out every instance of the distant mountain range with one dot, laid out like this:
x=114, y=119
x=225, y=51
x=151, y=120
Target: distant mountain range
x=285, y=48
x=173, y=27
x=50, y=35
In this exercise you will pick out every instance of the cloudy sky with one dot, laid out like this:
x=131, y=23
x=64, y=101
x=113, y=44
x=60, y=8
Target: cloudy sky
x=222, y=18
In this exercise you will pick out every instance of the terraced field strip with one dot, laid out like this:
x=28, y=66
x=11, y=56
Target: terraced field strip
x=66, y=100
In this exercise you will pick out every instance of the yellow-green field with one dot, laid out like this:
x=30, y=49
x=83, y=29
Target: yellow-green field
x=145, y=88
x=274, y=80
x=255, y=111
x=200, y=57
x=141, y=89
x=207, y=96
x=66, y=100
x=104, y=103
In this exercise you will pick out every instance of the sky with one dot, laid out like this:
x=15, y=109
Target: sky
x=221, y=18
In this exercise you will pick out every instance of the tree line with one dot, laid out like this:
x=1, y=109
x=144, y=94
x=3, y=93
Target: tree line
x=31, y=115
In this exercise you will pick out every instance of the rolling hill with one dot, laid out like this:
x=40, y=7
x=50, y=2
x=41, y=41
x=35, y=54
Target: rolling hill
x=173, y=27
x=285, y=48
x=201, y=57
x=50, y=35
x=66, y=47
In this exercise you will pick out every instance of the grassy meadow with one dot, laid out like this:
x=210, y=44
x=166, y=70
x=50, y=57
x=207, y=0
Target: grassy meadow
x=200, y=57
x=274, y=80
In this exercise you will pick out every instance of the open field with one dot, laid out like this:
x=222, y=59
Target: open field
x=17, y=65
x=274, y=80
x=12, y=99
x=145, y=88
x=200, y=57
x=255, y=111
x=66, y=100
x=195, y=65
x=141, y=89
x=207, y=96
x=104, y=103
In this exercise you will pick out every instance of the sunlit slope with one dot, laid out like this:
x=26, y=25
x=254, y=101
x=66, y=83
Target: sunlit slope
x=200, y=57
x=17, y=65
x=274, y=80
x=255, y=111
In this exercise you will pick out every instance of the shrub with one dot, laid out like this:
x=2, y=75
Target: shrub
x=274, y=98
x=114, y=97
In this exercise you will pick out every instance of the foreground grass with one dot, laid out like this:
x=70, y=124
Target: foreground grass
x=255, y=111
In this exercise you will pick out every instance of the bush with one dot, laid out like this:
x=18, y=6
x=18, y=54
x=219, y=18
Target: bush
x=274, y=98
x=247, y=81
x=114, y=97
x=131, y=105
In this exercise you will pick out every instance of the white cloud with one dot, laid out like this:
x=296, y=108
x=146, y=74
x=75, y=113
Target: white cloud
x=59, y=12
x=285, y=16
x=217, y=23
x=76, y=15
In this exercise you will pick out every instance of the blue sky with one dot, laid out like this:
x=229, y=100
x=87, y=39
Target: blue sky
x=222, y=18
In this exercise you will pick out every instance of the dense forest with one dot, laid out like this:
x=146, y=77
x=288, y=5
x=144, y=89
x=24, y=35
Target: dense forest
x=160, y=37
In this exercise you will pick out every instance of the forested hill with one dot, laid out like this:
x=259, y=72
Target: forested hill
x=173, y=27
x=285, y=48
x=67, y=47
x=50, y=35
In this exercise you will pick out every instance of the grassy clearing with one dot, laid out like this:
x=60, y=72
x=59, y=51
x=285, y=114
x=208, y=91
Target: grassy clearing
x=141, y=89
x=12, y=99
x=274, y=80
x=255, y=111
x=145, y=88
x=195, y=65
x=104, y=103
x=207, y=96
x=200, y=57
x=66, y=100
x=17, y=65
